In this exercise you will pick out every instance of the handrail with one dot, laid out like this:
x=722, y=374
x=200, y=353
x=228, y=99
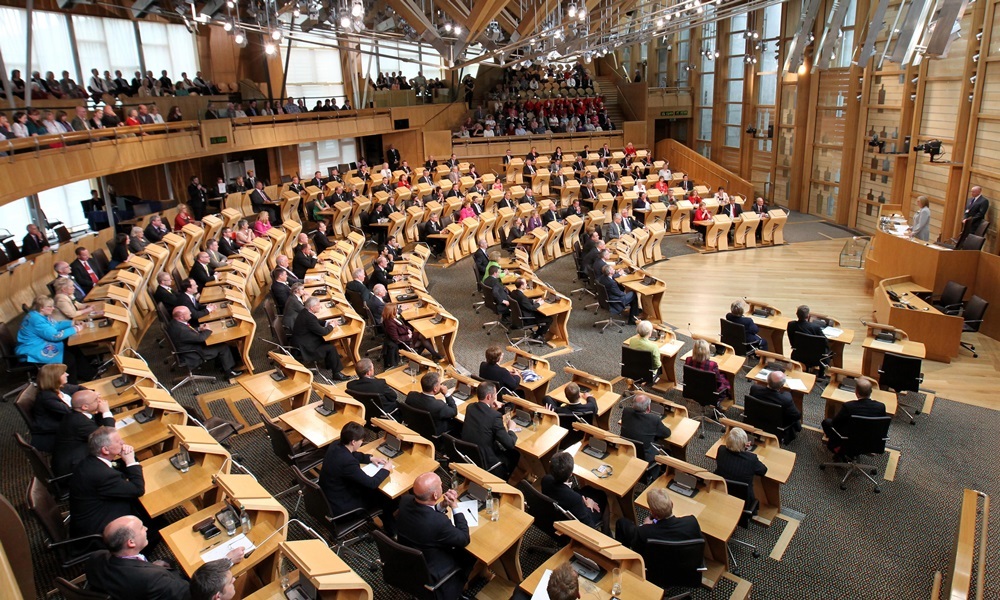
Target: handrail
x=966, y=548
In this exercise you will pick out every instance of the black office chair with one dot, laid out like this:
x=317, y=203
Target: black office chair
x=526, y=325
x=950, y=300
x=42, y=470
x=69, y=551
x=901, y=374
x=864, y=435
x=615, y=309
x=340, y=526
x=543, y=510
x=972, y=242
x=685, y=558
x=302, y=455
x=491, y=303
x=63, y=235
x=566, y=421
x=982, y=228
x=188, y=361
x=767, y=416
x=418, y=420
x=467, y=452
x=972, y=316
x=813, y=351
x=735, y=335
x=702, y=387
x=14, y=364
x=376, y=329
x=653, y=469
x=373, y=406
x=405, y=569
x=741, y=490
x=581, y=273
x=76, y=589
x=637, y=365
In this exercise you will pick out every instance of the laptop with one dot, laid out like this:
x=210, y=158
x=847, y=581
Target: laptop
x=648, y=280
x=390, y=447
x=684, y=484
x=475, y=492
x=597, y=448
x=522, y=417
x=327, y=407
x=463, y=391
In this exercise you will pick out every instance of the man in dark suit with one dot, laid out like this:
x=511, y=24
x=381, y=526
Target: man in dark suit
x=639, y=424
x=392, y=157
x=64, y=271
x=283, y=264
x=420, y=524
x=187, y=296
x=347, y=487
x=190, y=343
x=122, y=571
x=163, y=292
x=280, y=289
x=98, y=492
x=304, y=258
x=442, y=413
x=196, y=198
x=261, y=202
x=33, y=242
x=686, y=184
x=802, y=324
x=308, y=333
x=592, y=255
x=320, y=238
x=772, y=392
x=529, y=172
x=85, y=270
x=550, y=215
x=369, y=384
x=431, y=227
x=156, y=229
x=380, y=274
x=294, y=305
x=500, y=294
x=976, y=209
x=495, y=434
x=201, y=271
x=358, y=286
x=481, y=258
x=491, y=370
x=617, y=295
x=660, y=525
x=89, y=411
x=731, y=209
x=529, y=309
x=431, y=164
x=586, y=504
x=376, y=302
x=864, y=406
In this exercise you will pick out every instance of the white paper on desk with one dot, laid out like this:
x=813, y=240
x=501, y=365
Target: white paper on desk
x=795, y=384
x=371, y=469
x=124, y=422
x=225, y=548
x=832, y=332
x=542, y=589
x=762, y=376
x=469, y=509
x=314, y=277
x=458, y=402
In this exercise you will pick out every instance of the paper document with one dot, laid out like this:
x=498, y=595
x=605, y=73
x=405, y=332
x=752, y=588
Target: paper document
x=458, y=401
x=762, y=376
x=795, y=384
x=469, y=510
x=542, y=589
x=124, y=422
x=832, y=332
x=226, y=547
x=371, y=469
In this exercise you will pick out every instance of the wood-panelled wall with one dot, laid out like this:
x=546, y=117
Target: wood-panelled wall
x=701, y=170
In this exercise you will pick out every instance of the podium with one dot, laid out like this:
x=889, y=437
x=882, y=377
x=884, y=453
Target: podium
x=604, y=202
x=167, y=487
x=318, y=570
x=417, y=457
x=601, y=185
x=240, y=330
x=431, y=209
x=212, y=225
x=503, y=220
x=464, y=183
x=467, y=240
x=290, y=207
x=492, y=198
x=571, y=233
x=553, y=246
x=515, y=170
x=746, y=230
x=161, y=410
x=717, y=234
x=569, y=192
x=339, y=226
x=774, y=228
x=451, y=236
x=680, y=220
x=484, y=231
x=540, y=184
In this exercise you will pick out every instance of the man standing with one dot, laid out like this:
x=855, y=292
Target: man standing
x=392, y=157
x=976, y=209
x=196, y=198
x=485, y=427
x=98, y=492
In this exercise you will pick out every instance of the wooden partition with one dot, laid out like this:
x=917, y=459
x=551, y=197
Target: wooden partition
x=488, y=153
x=701, y=170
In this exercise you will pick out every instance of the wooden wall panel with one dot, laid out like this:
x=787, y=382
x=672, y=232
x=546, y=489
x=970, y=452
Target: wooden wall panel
x=410, y=144
x=988, y=287
x=701, y=170
x=437, y=144
x=941, y=99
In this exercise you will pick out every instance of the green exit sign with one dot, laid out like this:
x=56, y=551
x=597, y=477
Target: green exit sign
x=674, y=113
x=218, y=140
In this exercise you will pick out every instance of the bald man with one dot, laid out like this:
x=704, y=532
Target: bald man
x=201, y=271
x=90, y=411
x=63, y=271
x=422, y=524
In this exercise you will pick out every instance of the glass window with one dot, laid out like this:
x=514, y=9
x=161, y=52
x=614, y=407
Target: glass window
x=705, y=124
x=734, y=90
x=767, y=90
x=318, y=156
x=63, y=203
x=168, y=47
x=50, y=44
x=105, y=44
x=734, y=114
x=732, y=137
x=314, y=73
x=705, y=97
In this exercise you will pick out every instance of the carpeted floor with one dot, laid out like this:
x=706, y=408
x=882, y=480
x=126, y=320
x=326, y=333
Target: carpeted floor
x=850, y=544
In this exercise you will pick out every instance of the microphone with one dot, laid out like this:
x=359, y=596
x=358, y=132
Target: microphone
x=282, y=528
x=570, y=365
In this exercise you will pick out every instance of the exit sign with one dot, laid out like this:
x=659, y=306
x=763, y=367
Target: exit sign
x=673, y=113
x=219, y=140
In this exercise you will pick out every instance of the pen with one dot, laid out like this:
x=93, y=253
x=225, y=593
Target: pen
x=472, y=515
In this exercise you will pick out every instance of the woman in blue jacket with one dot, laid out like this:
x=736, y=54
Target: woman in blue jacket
x=42, y=340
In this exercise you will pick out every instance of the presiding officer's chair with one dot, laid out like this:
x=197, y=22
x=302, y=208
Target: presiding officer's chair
x=864, y=435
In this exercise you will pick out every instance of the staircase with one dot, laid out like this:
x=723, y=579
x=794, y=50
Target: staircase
x=605, y=86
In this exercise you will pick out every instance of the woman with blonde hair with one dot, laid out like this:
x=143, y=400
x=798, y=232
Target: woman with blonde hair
x=737, y=463
x=701, y=358
x=41, y=338
x=183, y=217
x=67, y=308
x=263, y=224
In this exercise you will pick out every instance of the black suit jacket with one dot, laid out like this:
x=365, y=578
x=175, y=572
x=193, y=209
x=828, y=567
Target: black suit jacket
x=671, y=529
x=500, y=375
x=484, y=427
x=377, y=276
x=202, y=274
x=280, y=292
x=32, y=245
x=153, y=234
x=807, y=327
x=308, y=334
x=864, y=407
x=500, y=292
x=166, y=297
x=302, y=263
x=976, y=212
x=322, y=242
x=190, y=340
x=441, y=412
x=99, y=494
x=431, y=532
x=739, y=466
x=48, y=412
x=198, y=310
x=343, y=482
x=549, y=216
x=134, y=578
x=258, y=199
x=645, y=428
x=481, y=259
x=374, y=385
x=528, y=306
x=293, y=306
x=71, y=440
x=356, y=286
x=782, y=399
x=81, y=276
x=570, y=500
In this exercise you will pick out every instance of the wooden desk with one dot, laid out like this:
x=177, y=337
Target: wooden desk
x=837, y=342
x=940, y=333
x=292, y=392
x=242, y=333
x=794, y=372
x=669, y=347
x=717, y=512
x=774, y=227
x=166, y=411
x=680, y=219
x=116, y=329
x=135, y=371
x=779, y=463
x=533, y=390
x=497, y=544
x=772, y=325
x=559, y=311
x=166, y=487
x=628, y=469
x=836, y=397
x=873, y=349
x=682, y=428
x=745, y=235
x=318, y=564
x=442, y=334
x=607, y=553
x=536, y=444
x=599, y=388
x=929, y=265
x=650, y=294
x=324, y=430
x=417, y=457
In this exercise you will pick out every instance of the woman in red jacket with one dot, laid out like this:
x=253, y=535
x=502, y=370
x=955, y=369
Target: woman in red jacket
x=401, y=333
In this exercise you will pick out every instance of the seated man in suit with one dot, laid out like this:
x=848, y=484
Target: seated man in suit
x=320, y=238
x=736, y=315
x=89, y=411
x=214, y=581
x=420, y=524
x=33, y=242
x=772, y=392
x=304, y=257
x=495, y=434
x=491, y=370
x=529, y=309
x=64, y=271
x=376, y=302
x=480, y=258
x=500, y=294
x=164, y=293
x=431, y=227
x=188, y=297
x=294, y=305
x=99, y=492
x=864, y=406
x=216, y=258
x=226, y=245
x=564, y=583
x=802, y=324
x=346, y=486
x=190, y=343
x=577, y=403
x=550, y=214
x=358, y=284
x=280, y=290
x=442, y=412
x=616, y=295
x=379, y=274
x=615, y=228
x=369, y=384
x=260, y=201
x=282, y=262
x=201, y=271
x=156, y=229
x=591, y=256
x=660, y=525
x=122, y=571
x=586, y=504
x=308, y=333
x=639, y=424
x=85, y=270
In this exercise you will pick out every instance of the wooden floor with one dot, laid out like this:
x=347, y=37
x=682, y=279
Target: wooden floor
x=700, y=289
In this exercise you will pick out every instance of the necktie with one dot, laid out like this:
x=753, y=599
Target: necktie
x=90, y=271
x=78, y=291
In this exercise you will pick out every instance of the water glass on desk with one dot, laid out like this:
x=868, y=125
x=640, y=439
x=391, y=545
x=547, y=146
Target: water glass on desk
x=616, y=582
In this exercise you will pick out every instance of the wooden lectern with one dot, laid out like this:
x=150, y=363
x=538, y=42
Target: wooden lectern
x=170, y=482
x=774, y=228
x=717, y=235
x=746, y=230
x=318, y=570
x=680, y=220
